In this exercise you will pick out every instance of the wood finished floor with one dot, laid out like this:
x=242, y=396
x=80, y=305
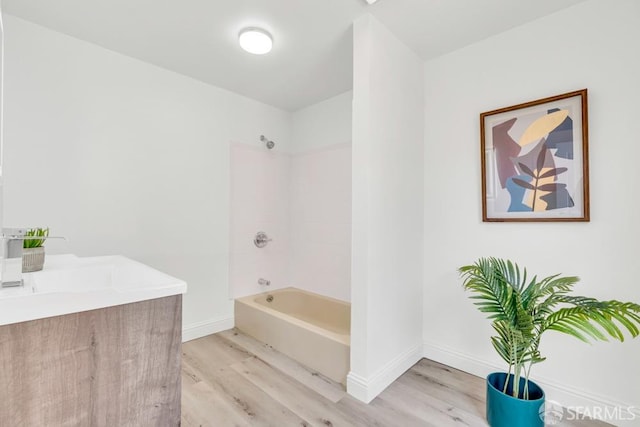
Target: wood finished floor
x=230, y=379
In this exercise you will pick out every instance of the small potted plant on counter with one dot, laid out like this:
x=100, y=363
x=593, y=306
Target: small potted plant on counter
x=33, y=249
x=521, y=310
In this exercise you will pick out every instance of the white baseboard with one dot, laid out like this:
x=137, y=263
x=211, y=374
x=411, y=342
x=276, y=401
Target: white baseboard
x=366, y=389
x=208, y=327
x=568, y=397
x=357, y=387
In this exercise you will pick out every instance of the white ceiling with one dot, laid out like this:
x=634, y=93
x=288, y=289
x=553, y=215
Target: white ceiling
x=311, y=59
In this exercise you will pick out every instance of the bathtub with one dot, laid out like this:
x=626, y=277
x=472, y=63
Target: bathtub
x=313, y=329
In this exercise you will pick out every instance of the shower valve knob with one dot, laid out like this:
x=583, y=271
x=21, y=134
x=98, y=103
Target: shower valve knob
x=261, y=239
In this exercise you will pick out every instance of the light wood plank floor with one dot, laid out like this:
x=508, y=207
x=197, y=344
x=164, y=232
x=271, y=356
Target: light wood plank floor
x=230, y=379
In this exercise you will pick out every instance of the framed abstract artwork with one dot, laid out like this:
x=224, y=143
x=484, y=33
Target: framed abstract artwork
x=535, y=163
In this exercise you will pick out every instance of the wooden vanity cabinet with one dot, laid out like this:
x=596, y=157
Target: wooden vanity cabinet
x=115, y=366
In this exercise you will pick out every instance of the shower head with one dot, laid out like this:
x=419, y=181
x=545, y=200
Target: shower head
x=268, y=143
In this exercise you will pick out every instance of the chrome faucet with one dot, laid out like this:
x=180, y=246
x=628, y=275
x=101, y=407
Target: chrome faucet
x=13, y=240
x=12, y=260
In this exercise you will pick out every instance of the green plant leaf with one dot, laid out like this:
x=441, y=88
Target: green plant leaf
x=39, y=236
x=521, y=310
x=501, y=349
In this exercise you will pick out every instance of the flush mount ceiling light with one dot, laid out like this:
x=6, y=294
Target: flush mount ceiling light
x=255, y=40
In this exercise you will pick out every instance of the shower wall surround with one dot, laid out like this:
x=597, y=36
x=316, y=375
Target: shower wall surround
x=303, y=202
x=320, y=221
x=259, y=202
x=301, y=199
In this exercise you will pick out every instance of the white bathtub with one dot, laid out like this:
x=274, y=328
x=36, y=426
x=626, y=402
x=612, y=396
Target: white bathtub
x=313, y=329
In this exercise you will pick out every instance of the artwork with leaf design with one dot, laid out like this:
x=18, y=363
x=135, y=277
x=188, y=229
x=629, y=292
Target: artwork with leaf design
x=535, y=160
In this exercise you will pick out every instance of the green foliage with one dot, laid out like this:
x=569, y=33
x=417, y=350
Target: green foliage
x=39, y=234
x=521, y=310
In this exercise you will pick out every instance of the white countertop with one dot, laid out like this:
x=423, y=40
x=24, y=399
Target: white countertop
x=69, y=284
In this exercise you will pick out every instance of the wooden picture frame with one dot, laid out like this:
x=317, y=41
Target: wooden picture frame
x=535, y=162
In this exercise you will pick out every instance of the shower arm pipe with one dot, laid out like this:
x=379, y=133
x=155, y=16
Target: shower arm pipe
x=270, y=144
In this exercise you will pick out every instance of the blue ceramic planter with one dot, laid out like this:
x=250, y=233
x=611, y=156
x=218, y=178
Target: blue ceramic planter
x=503, y=410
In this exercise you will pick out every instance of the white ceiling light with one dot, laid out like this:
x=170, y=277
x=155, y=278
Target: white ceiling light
x=371, y=1
x=255, y=40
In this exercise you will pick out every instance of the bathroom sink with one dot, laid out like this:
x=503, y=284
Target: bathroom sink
x=69, y=284
x=115, y=273
x=81, y=279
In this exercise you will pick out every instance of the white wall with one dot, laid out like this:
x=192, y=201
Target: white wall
x=323, y=124
x=592, y=45
x=1, y=117
x=123, y=157
x=387, y=280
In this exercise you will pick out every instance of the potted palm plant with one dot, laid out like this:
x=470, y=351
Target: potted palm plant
x=521, y=310
x=33, y=249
